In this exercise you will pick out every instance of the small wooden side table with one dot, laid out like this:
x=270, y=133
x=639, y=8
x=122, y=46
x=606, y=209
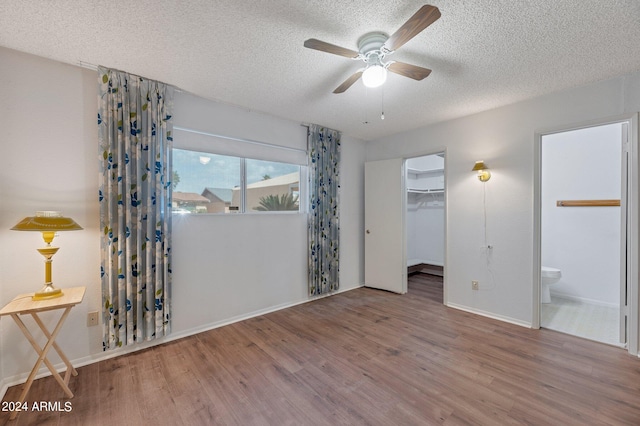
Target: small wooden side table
x=23, y=305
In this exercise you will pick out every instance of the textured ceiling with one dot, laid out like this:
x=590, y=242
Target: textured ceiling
x=483, y=53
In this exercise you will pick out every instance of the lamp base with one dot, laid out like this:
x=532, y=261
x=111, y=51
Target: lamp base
x=47, y=292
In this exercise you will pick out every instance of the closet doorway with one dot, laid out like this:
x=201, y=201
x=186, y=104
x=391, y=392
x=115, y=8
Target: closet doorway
x=425, y=222
x=405, y=223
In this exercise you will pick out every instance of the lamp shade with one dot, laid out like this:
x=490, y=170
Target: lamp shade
x=45, y=221
x=479, y=166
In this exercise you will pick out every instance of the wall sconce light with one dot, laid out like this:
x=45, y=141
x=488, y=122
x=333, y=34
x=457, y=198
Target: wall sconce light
x=483, y=171
x=49, y=223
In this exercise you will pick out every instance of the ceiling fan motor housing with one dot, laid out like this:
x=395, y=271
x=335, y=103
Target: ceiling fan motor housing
x=371, y=42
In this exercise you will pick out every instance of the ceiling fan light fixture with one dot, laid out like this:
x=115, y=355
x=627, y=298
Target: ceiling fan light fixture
x=374, y=76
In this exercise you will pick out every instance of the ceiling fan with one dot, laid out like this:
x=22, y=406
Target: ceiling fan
x=373, y=47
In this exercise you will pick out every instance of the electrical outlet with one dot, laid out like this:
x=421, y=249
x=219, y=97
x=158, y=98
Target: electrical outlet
x=92, y=319
x=475, y=285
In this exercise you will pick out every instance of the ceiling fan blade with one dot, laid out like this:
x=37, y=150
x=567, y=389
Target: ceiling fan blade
x=407, y=70
x=420, y=20
x=312, y=43
x=348, y=82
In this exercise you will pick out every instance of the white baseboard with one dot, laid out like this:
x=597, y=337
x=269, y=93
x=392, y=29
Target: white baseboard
x=584, y=300
x=103, y=356
x=413, y=262
x=490, y=315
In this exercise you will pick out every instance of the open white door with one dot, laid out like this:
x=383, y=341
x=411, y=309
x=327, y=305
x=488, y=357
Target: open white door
x=384, y=218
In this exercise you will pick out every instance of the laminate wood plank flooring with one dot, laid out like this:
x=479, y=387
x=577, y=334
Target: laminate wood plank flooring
x=363, y=357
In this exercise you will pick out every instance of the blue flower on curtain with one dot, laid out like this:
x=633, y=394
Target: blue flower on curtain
x=323, y=227
x=134, y=129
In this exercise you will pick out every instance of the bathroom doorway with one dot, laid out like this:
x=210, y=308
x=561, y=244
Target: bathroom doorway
x=425, y=223
x=583, y=229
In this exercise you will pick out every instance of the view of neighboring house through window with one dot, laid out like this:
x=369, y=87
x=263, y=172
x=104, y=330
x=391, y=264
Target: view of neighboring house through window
x=272, y=186
x=211, y=183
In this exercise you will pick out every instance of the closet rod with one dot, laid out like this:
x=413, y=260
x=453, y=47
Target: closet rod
x=587, y=203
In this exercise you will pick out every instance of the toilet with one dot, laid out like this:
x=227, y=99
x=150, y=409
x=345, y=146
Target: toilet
x=549, y=276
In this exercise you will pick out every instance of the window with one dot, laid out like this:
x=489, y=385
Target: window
x=272, y=186
x=203, y=182
x=211, y=183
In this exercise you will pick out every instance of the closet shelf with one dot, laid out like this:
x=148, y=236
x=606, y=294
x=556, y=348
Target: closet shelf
x=424, y=172
x=425, y=191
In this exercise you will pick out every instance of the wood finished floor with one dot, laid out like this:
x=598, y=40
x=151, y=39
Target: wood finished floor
x=360, y=357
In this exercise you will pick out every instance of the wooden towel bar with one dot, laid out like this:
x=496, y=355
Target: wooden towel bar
x=587, y=203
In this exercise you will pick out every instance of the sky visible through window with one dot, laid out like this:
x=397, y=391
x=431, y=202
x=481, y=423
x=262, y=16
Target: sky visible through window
x=199, y=170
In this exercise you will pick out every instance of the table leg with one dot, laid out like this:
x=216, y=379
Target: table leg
x=70, y=369
x=42, y=357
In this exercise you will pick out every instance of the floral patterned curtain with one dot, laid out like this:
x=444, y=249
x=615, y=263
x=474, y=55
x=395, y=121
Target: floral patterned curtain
x=135, y=136
x=323, y=226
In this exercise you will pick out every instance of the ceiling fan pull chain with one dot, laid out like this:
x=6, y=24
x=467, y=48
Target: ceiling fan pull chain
x=382, y=104
x=364, y=107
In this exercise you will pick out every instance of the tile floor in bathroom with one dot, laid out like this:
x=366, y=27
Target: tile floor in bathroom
x=593, y=322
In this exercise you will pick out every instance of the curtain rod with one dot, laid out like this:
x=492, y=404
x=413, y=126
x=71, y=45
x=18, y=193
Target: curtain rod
x=271, y=145
x=94, y=67
x=88, y=66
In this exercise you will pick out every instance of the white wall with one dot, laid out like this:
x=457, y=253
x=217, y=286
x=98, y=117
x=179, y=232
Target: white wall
x=49, y=161
x=583, y=242
x=234, y=265
x=505, y=139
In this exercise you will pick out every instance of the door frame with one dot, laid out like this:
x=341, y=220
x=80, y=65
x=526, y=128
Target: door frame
x=441, y=150
x=632, y=221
